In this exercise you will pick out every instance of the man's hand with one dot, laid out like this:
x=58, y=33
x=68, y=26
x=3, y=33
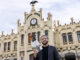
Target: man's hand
x=35, y=53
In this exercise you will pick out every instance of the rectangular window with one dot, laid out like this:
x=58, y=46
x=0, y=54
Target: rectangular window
x=6, y=59
x=64, y=38
x=15, y=45
x=78, y=35
x=5, y=46
x=31, y=57
x=21, y=53
x=22, y=39
x=70, y=37
x=15, y=58
x=22, y=58
x=9, y=45
x=0, y=46
x=46, y=33
x=79, y=57
x=38, y=35
x=33, y=36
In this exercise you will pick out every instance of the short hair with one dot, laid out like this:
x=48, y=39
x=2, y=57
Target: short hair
x=43, y=35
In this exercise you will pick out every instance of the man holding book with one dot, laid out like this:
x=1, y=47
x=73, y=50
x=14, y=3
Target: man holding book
x=47, y=52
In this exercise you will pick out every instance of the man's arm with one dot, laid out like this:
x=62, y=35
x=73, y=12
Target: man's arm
x=56, y=54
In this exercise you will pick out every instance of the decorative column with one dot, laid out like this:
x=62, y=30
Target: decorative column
x=75, y=40
x=51, y=37
x=26, y=57
x=18, y=49
x=42, y=32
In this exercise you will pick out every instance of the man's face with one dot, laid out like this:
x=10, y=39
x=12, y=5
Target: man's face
x=44, y=40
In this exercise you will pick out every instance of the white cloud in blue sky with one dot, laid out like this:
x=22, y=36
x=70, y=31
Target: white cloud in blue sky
x=12, y=10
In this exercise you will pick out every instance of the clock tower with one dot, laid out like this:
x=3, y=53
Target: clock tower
x=33, y=28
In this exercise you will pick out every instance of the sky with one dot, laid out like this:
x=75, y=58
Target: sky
x=12, y=10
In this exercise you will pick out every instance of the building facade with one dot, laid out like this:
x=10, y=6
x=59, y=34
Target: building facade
x=66, y=37
x=67, y=40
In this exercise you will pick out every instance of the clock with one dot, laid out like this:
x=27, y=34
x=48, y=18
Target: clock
x=33, y=22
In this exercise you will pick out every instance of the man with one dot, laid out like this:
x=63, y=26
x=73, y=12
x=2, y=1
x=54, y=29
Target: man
x=48, y=52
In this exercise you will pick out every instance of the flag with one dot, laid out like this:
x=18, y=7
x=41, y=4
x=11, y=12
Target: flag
x=31, y=37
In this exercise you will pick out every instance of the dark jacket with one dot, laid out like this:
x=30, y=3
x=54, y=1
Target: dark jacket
x=52, y=54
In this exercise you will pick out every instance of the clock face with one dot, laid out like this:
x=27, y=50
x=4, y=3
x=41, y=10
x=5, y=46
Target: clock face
x=33, y=21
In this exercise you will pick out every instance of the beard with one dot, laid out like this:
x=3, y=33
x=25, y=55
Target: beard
x=45, y=43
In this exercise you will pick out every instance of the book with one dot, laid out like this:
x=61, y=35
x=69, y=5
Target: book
x=36, y=46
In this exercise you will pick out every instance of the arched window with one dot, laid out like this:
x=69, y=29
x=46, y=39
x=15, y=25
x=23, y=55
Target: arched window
x=15, y=45
x=70, y=37
x=64, y=38
x=15, y=58
x=22, y=39
x=5, y=46
x=31, y=57
x=0, y=46
x=78, y=35
x=46, y=33
x=33, y=36
x=9, y=45
x=38, y=35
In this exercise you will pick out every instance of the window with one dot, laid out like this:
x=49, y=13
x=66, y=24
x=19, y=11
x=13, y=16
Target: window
x=70, y=37
x=22, y=58
x=9, y=44
x=78, y=35
x=33, y=36
x=5, y=46
x=64, y=38
x=38, y=35
x=0, y=46
x=78, y=57
x=15, y=45
x=6, y=59
x=46, y=33
x=31, y=57
x=22, y=39
x=22, y=55
x=15, y=58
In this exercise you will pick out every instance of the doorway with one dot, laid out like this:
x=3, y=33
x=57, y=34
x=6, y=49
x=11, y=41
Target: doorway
x=70, y=56
x=31, y=57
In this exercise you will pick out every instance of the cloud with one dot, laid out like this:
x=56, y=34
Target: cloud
x=7, y=28
x=62, y=10
x=12, y=10
x=69, y=10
